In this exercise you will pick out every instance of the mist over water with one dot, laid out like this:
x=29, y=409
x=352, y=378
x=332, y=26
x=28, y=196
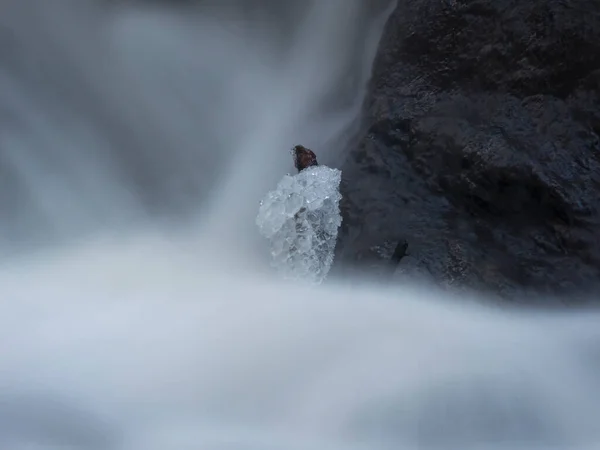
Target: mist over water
x=137, y=309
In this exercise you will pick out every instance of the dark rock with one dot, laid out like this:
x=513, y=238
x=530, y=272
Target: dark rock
x=480, y=145
x=303, y=157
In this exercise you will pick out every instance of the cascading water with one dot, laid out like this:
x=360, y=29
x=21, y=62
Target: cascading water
x=137, y=312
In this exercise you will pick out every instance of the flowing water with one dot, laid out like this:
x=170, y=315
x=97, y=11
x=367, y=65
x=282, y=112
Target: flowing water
x=137, y=308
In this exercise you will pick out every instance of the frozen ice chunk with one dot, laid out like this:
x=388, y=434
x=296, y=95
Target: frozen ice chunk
x=300, y=218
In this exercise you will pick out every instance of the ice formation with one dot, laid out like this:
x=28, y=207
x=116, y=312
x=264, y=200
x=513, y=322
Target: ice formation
x=300, y=218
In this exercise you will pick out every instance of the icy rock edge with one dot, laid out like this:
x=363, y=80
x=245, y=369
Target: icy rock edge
x=300, y=218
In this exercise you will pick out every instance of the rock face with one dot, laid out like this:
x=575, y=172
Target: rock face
x=480, y=146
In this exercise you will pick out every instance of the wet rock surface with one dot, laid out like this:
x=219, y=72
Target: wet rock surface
x=480, y=146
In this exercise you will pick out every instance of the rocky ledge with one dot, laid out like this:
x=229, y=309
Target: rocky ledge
x=480, y=147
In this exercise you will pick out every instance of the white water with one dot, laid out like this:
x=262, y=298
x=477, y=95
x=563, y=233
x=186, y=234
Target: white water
x=132, y=332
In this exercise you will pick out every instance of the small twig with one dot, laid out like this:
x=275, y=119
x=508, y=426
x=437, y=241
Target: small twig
x=400, y=252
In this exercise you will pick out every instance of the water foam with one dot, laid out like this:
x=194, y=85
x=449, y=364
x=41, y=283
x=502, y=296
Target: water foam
x=148, y=346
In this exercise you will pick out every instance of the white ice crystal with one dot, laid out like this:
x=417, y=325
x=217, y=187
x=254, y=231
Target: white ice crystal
x=300, y=218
